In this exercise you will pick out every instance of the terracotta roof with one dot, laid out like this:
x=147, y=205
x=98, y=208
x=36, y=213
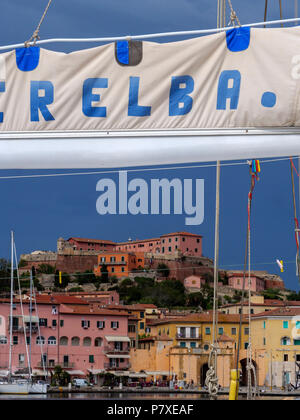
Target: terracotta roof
x=86, y=310
x=285, y=311
x=201, y=317
x=59, y=299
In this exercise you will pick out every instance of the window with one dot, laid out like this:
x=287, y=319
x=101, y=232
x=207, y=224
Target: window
x=285, y=324
x=193, y=332
x=296, y=342
x=142, y=314
x=87, y=341
x=233, y=331
x=3, y=339
x=123, y=258
x=298, y=325
x=61, y=322
x=15, y=340
x=98, y=342
x=63, y=341
x=170, y=249
x=112, y=269
x=43, y=322
x=142, y=325
x=221, y=330
x=52, y=341
x=264, y=341
x=100, y=324
x=40, y=340
x=286, y=341
x=54, y=323
x=246, y=331
x=193, y=344
x=21, y=359
x=123, y=269
x=131, y=329
x=102, y=259
x=196, y=249
x=207, y=330
x=297, y=357
x=75, y=341
x=182, y=344
x=85, y=324
x=246, y=346
x=163, y=249
x=91, y=358
x=285, y=357
x=114, y=324
x=264, y=324
x=28, y=341
x=183, y=239
x=206, y=347
x=112, y=259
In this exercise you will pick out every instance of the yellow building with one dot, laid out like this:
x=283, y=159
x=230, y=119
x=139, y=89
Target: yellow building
x=189, y=338
x=276, y=340
x=258, y=304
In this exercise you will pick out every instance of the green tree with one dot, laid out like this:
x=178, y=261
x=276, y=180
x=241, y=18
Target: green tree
x=46, y=269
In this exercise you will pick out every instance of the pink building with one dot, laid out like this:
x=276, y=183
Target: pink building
x=66, y=331
x=184, y=242
x=193, y=282
x=85, y=244
x=235, y=280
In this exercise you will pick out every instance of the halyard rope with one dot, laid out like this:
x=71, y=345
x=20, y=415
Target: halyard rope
x=35, y=36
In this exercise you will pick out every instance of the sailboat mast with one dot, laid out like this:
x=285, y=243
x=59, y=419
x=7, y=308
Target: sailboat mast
x=11, y=307
x=30, y=320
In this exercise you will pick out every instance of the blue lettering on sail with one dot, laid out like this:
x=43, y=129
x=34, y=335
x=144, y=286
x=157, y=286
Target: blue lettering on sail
x=88, y=97
x=225, y=92
x=180, y=102
x=134, y=109
x=40, y=102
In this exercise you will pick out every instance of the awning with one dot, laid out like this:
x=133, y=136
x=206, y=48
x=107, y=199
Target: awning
x=117, y=338
x=75, y=372
x=33, y=318
x=4, y=372
x=137, y=375
x=96, y=371
x=157, y=373
x=118, y=356
x=118, y=373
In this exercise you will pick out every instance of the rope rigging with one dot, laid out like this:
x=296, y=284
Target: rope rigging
x=35, y=36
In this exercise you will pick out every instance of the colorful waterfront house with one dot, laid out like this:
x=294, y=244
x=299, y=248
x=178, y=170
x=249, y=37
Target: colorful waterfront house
x=191, y=336
x=120, y=264
x=276, y=338
x=184, y=242
x=66, y=331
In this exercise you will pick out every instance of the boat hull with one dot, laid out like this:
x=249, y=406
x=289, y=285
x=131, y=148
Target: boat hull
x=23, y=388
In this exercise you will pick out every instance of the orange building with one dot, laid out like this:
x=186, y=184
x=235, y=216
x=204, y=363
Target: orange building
x=119, y=263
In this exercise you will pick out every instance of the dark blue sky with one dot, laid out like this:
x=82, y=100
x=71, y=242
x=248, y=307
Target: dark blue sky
x=40, y=210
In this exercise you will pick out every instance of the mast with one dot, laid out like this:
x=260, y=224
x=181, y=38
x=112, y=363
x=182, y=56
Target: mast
x=30, y=321
x=11, y=307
